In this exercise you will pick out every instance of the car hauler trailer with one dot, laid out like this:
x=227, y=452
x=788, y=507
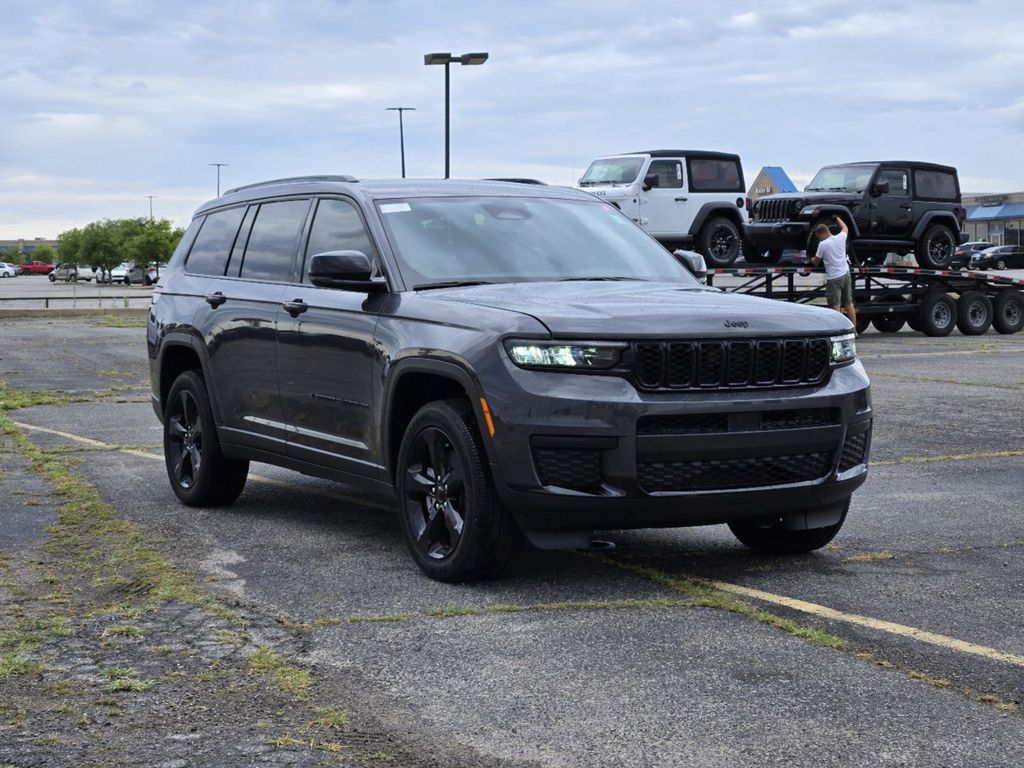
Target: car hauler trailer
x=930, y=301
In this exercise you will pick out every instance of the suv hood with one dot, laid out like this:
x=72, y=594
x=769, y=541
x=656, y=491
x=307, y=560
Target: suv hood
x=631, y=309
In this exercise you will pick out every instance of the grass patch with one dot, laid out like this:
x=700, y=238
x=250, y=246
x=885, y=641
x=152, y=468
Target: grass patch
x=19, y=664
x=329, y=718
x=122, y=630
x=133, y=320
x=869, y=557
x=383, y=757
x=384, y=617
x=287, y=678
x=12, y=399
x=444, y=613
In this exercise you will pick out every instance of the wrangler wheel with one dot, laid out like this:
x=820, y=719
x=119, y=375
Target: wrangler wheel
x=719, y=242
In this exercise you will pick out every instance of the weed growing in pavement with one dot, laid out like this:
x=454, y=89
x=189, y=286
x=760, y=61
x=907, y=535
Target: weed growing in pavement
x=286, y=677
x=869, y=557
x=329, y=718
x=11, y=399
x=122, y=630
x=132, y=320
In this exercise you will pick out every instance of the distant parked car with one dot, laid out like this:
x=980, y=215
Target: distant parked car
x=963, y=254
x=999, y=257
x=118, y=274
x=139, y=275
x=37, y=268
x=71, y=273
x=8, y=270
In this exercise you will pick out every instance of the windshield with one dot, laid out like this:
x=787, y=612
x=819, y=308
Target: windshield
x=445, y=240
x=841, y=178
x=614, y=170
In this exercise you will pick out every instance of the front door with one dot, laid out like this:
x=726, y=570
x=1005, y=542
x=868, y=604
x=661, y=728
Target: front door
x=893, y=210
x=666, y=203
x=326, y=353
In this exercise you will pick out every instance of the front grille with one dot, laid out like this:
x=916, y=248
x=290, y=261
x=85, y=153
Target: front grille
x=772, y=210
x=854, y=449
x=709, y=423
x=575, y=468
x=811, y=417
x=727, y=474
x=730, y=364
x=689, y=424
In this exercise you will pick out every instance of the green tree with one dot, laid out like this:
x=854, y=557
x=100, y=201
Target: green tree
x=153, y=243
x=70, y=244
x=13, y=255
x=98, y=246
x=44, y=252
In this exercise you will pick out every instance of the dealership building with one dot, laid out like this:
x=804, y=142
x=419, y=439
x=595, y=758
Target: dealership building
x=24, y=245
x=770, y=180
x=997, y=219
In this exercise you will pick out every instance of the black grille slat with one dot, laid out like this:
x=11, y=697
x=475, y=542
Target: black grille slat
x=685, y=424
x=576, y=468
x=802, y=419
x=740, y=363
x=727, y=474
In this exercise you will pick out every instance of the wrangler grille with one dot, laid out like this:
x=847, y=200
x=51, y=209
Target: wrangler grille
x=730, y=364
x=772, y=210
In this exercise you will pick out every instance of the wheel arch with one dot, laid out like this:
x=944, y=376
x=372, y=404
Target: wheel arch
x=717, y=208
x=938, y=217
x=824, y=211
x=180, y=352
x=413, y=383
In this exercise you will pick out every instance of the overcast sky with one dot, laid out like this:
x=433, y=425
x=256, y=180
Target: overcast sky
x=105, y=102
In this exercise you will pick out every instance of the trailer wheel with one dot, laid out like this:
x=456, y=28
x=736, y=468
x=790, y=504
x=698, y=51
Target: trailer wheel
x=752, y=255
x=974, y=313
x=937, y=314
x=888, y=323
x=936, y=247
x=1008, y=314
x=862, y=324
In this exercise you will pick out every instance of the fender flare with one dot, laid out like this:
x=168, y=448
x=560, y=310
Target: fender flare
x=442, y=368
x=837, y=210
x=938, y=217
x=191, y=341
x=720, y=207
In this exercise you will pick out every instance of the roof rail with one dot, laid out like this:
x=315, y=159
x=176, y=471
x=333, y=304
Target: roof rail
x=291, y=180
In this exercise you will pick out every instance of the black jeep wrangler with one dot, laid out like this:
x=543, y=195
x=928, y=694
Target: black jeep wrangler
x=891, y=207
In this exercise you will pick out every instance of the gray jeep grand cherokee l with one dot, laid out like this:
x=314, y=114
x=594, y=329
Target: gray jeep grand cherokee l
x=506, y=360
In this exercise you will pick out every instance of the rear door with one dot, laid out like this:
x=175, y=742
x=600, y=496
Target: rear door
x=327, y=359
x=243, y=339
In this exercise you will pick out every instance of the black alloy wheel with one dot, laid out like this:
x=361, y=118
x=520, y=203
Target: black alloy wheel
x=936, y=248
x=1000, y=263
x=720, y=242
x=200, y=474
x=452, y=521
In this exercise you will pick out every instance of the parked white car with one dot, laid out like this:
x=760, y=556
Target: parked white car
x=70, y=273
x=8, y=270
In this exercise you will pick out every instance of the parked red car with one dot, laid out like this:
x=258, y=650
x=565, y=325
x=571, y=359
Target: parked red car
x=37, y=268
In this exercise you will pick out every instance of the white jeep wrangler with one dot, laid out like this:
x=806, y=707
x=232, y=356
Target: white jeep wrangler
x=684, y=198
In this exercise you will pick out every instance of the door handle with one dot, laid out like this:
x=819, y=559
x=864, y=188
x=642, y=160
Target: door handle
x=907, y=207
x=215, y=299
x=681, y=199
x=295, y=308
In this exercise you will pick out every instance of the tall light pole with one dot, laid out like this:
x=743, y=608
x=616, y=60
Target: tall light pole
x=447, y=59
x=219, y=166
x=150, y=206
x=401, y=130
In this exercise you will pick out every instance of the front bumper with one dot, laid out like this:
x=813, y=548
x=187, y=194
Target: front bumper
x=778, y=235
x=574, y=452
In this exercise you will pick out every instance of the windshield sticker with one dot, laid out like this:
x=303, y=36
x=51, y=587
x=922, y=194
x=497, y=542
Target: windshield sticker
x=395, y=208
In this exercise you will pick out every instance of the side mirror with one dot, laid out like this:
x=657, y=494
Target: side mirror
x=880, y=188
x=650, y=180
x=347, y=270
x=693, y=262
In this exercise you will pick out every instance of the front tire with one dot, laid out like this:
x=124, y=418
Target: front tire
x=719, y=242
x=200, y=474
x=451, y=519
x=936, y=248
x=774, y=539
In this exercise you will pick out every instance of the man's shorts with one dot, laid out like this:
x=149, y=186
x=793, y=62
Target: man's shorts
x=839, y=292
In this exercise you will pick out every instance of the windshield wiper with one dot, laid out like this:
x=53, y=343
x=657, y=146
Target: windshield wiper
x=450, y=284
x=600, y=279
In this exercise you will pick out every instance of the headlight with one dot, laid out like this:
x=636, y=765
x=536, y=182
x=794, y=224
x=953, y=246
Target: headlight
x=844, y=349
x=796, y=205
x=579, y=355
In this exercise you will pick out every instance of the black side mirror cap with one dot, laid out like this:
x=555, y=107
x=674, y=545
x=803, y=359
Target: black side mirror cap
x=651, y=180
x=693, y=262
x=880, y=188
x=347, y=270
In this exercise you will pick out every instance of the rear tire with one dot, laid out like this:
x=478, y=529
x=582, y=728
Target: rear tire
x=974, y=313
x=719, y=242
x=936, y=248
x=888, y=323
x=1008, y=312
x=937, y=314
x=862, y=324
x=452, y=521
x=773, y=539
x=200, y=474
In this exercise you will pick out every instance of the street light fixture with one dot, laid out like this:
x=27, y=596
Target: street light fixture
x=447, y=59
x=401, y=130
x=219, y=166
x=151, y=206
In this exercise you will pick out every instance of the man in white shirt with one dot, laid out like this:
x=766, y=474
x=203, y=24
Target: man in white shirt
x=838, y=283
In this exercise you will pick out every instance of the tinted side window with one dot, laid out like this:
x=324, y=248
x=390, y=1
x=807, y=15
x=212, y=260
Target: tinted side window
x=274, y=241
x=337, y=227
x=186, y=240
x=897, y=179
x=209, y=255
x=935, y=185
x=714, y=175
x=669, y=173
x=235, y=261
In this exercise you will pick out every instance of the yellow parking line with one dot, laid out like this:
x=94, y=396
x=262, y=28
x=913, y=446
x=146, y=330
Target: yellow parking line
x=943, y=641
x=159, y=457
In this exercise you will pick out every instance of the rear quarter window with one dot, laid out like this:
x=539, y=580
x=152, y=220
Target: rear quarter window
x=714, y=175
x=936, y=185
x=209, y=254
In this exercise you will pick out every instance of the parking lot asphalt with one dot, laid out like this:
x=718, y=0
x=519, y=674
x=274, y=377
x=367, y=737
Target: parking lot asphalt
x=593, y=659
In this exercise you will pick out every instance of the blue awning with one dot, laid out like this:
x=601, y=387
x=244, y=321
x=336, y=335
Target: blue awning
x=994, y=212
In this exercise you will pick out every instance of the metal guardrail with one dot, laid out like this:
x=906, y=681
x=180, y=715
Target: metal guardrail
x=88, y=301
